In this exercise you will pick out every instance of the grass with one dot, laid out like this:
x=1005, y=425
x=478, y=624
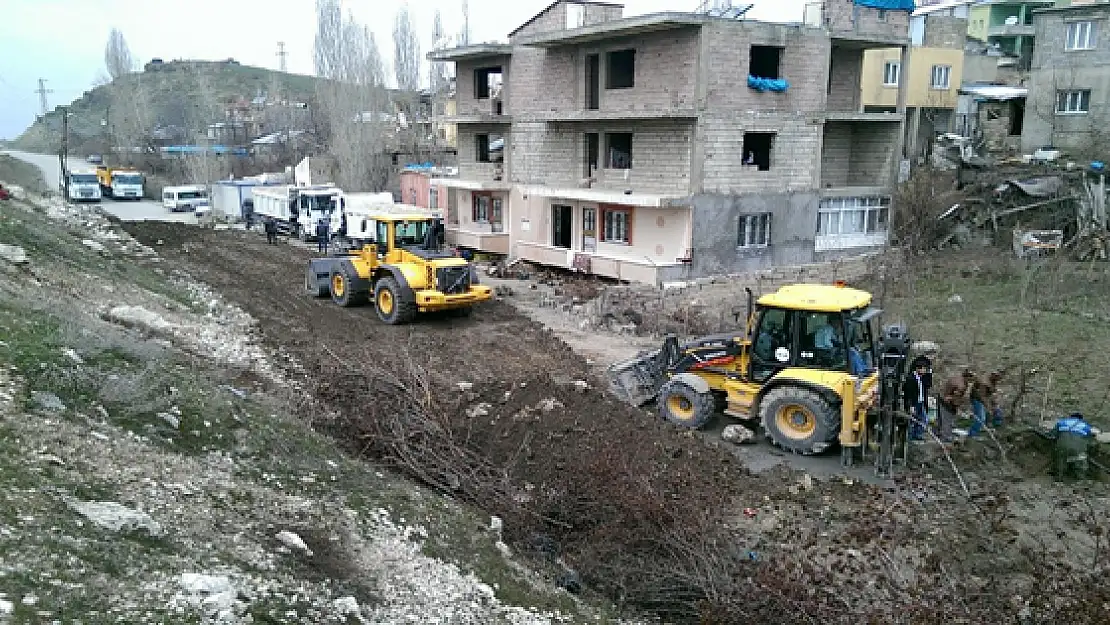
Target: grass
x=17, y=172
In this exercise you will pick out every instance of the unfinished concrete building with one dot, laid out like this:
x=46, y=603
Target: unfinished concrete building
x=675, y=145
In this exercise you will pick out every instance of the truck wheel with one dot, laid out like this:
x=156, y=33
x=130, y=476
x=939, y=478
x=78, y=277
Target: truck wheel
x=681, y=405
x=312, y=286
x=392, y=308
x=341, y=287
x=799, y=420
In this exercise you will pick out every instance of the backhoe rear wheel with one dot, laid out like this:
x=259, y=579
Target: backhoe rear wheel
x=682, y=405
x=392, y=307
x=798, y=419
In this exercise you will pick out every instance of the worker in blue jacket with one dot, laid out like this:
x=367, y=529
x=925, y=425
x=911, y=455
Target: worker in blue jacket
x=322, y=232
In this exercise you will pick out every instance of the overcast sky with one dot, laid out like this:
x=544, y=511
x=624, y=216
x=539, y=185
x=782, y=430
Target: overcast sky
x=63, y=40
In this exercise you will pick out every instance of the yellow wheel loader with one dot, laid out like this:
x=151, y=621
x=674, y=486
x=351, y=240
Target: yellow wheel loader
x=808, y=368
x=403, y=269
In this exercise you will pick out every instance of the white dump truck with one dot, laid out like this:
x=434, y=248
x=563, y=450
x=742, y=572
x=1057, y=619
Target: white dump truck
x=297, y=210
x=83, y=185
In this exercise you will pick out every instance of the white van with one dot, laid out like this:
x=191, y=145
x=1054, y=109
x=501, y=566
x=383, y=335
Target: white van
x=186, y=198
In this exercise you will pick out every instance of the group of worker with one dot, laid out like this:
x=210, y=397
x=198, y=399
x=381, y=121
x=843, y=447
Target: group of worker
x=967, y=389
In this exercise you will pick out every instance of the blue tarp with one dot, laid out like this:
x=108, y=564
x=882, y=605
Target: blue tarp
x=767, y=84
x=888, y=5
x=200, y=149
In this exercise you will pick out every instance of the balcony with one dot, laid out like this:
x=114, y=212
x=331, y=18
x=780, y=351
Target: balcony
x=1011, y=30
x=600, y=115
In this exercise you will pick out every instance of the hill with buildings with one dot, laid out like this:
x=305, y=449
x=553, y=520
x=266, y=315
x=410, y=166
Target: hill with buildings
x=166, y=103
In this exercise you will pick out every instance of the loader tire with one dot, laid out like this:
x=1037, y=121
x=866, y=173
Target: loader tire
x=392, y=307
x=312, y=286
x=799, y=420
x=682, y=405
x=341, y=287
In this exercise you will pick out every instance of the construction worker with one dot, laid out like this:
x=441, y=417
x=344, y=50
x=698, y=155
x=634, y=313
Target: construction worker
x=915, y=392
x=271, y=229
x=983, y=398
x=322, y=235
x=1073, y=438
x=953, y=396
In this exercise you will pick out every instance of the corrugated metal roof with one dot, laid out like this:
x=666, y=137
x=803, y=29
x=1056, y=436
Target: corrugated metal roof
x=995, y=92
x=941, y=6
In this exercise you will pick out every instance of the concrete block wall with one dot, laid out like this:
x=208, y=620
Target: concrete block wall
x=846, y=18
x=794, y=157
x=544, y=81
x=555, y=17
x=845, y=73
x=469, y=166
x=858, y=154
x=554, y=155
x=465, y=102
x=945, y=31
x=666, y=75
x=803, y=64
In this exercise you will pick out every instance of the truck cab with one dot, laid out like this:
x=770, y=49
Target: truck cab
x=126, y=185
x=83, y=186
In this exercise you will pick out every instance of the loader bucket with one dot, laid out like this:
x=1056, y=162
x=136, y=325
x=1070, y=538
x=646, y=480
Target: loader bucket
x=637, y=381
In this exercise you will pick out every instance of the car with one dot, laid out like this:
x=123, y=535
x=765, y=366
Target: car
x=4, y=194
x=96, y=159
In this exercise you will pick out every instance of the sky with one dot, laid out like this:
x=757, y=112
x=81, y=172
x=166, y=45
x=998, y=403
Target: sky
x=63, y=41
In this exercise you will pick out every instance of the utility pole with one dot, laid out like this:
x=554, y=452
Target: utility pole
x=63, y=154
x=42, y=91
x=281, y=53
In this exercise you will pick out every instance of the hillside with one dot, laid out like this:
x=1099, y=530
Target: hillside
x=178, y=93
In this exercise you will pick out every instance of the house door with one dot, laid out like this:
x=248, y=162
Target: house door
x=495, y=215
x=562, y=218
x=589, y=229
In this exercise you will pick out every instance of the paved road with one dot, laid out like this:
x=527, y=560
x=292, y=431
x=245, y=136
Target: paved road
x=143, y=210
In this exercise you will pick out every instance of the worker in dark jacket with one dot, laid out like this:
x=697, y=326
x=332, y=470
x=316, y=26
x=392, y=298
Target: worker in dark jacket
x=915, y=393
x=322, y=233
x=271, y=229
x=953, y=396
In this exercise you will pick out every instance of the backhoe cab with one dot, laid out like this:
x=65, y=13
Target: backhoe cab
x=805, y=368
x=405, y=270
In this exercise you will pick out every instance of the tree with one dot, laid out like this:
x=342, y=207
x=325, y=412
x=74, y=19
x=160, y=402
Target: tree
x=117, y=56
x=351, y=99
x=437, y=72
x=406, y=51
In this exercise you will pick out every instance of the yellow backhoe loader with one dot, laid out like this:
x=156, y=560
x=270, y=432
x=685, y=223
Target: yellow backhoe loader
x=404, y=270
x=809, y=368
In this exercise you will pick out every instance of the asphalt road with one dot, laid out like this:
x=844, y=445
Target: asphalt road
x=143, y=210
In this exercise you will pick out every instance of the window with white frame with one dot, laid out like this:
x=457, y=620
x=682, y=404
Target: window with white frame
x=433, y=198
x=891, y=72
x=853, y=216
x=942, y=75
x=1073, y=102
x=754, y=231
x=615, y=225
x=1080, y=36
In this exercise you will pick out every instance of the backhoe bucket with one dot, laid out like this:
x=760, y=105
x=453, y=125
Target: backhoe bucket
x=637, y=380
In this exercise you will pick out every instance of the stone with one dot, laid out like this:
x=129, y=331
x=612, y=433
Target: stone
x=48, y=401
x=116, y=517
x=464, y=386
x=496, y=524
x=293, y=541
x=13, y=254
x=95, y=246
x=201, y=584
x=549, y=404
x=737, y=434
x=480, y=410
x=347, y=606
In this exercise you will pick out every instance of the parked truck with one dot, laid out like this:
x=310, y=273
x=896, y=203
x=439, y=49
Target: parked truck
x=120, y=183
x=296, y=210
x=82, y=185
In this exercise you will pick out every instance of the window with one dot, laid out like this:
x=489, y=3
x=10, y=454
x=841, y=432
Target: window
x=576, y=16
x=757, y=149
x=618, y=150
x=615, y=224
x=754, y=230
x=1080, y=36
x=412, y=197
x=891, y=73
x=763, y=61
x=487, y=82
x=433, y=198
x=941, y=76
x=481, y=209
x=620, y=69
x=489, y=148
x=1073, y=102
x=852, y=215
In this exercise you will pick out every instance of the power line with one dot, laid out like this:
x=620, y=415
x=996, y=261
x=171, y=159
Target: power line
x=281, y=53
x=42, y=91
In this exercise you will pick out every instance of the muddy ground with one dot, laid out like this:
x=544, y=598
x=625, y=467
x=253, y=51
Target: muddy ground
x=640, y=507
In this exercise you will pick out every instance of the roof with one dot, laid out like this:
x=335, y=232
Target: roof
x=995, y=92
x=1093, y=6
x=816, y=297
x=623, y=27
x=552, y=6
x=470, y=52
x=941, y=6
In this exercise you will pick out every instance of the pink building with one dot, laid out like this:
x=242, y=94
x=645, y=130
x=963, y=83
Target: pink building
x=417, y=189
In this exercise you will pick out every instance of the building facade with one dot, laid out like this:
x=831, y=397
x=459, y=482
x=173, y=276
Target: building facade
x=1006, y=27
x=1069, y=80
x=931, y=75
x=674, y=145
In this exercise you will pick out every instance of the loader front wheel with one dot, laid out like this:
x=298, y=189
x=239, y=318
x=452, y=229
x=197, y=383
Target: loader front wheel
x=799, y=420
x=392, y=307
x=682, y=405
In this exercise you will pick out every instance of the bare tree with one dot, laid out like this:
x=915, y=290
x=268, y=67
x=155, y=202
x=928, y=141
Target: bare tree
x=437, y=72
x=352, y=101
x=207, y=166
x=117, y=56
x=406, y=51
